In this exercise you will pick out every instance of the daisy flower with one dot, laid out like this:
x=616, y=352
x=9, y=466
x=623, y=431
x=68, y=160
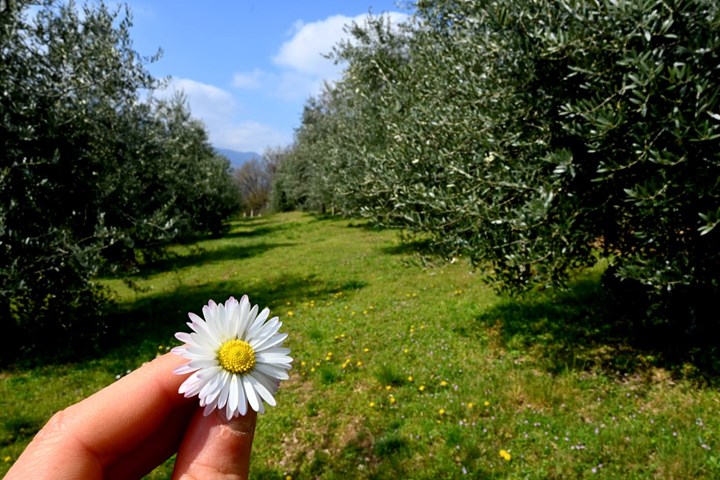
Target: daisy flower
x=236, y=357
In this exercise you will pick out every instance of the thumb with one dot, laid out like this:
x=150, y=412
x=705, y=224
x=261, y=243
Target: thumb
x=214, y=447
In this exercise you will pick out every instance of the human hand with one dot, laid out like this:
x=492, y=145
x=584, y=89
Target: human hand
x=128, y=428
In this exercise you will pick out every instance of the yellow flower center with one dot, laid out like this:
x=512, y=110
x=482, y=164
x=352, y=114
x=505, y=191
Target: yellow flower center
x=236, y=356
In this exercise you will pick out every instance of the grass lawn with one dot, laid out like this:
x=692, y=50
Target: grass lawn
x=404, y=369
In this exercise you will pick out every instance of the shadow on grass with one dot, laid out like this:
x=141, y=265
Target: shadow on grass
x=154, y=320
x=580, y=329
x=416, y=247
x=257, y=227
x=20, y=427
x=202, y=256
x=259, y=231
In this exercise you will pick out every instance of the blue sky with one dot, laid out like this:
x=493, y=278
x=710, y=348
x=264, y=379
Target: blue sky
x=247, y=66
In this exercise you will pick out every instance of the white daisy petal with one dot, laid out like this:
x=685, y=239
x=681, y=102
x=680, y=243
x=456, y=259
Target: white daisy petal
x=244, y=308
x=199, y=350
x=183, y=369
x=195, y=318
x=183, y=337
x=270, y=342
x=204, y=331
x=178, y=350
x=270, y=383
x=214, y=324
x=272, y=371
x=262, y=316
x=280, y=350
x=191, y=386
x=233, y=318
x=250, y=393
x=258, y=325
x=233, y=401
x=205, y=363
x=252, y=315
x=211, y=390
x=242, y=400
x=195, y=356
x=225, y=391
x=209, y=311
x=262, y=390
x=269, y=329
x=272, y=358
x=262, y=334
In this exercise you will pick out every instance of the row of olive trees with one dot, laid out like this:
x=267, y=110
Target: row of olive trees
x=94, y=172
x=534, y=135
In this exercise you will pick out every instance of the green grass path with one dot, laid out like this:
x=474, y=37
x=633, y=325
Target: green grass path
x=402, y=369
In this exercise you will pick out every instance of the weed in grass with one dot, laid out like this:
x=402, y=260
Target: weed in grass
x=390, y=444
x=329, y=374
x=389, y=374
x=21, y=427
x=316, y=334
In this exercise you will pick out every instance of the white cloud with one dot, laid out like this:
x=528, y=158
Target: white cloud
x=250, y=136
x=253, y=80
x=301, y=61
x=207, y=102
x=305, y=51
x=217, y=109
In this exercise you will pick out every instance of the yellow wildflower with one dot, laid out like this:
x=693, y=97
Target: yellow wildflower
x=505, y=455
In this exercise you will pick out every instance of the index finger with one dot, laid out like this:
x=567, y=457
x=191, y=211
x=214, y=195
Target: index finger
x=129, y=426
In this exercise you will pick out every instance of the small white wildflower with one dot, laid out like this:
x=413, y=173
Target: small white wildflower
x=236, y=357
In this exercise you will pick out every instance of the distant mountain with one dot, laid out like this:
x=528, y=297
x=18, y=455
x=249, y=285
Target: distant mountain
x=237, y=158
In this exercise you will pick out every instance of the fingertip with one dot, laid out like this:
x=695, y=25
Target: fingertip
x=215, y=447
x=242, y=424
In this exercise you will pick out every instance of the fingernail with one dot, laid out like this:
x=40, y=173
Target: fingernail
x=240, y=425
